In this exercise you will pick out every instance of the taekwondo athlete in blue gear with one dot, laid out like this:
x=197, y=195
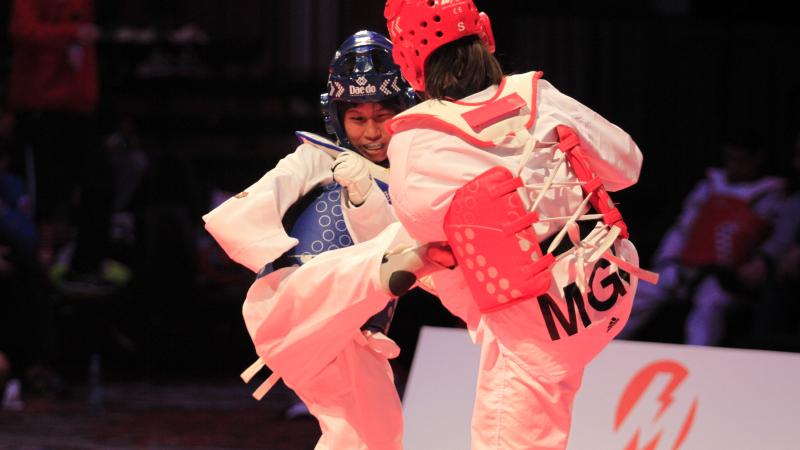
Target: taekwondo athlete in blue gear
x=305, y=317
x=361, y=71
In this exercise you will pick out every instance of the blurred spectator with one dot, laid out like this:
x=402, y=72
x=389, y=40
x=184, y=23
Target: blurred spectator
x=776, y=323
x=26, y=328
x=54, y=89
x=17, y=234
x=710, y=252
x=129, y=164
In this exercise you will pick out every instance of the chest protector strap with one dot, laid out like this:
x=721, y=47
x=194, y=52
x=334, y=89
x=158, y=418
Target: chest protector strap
x=569, y=143
x=489, y=224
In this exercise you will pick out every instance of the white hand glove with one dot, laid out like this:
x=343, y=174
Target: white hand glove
x=350, y=170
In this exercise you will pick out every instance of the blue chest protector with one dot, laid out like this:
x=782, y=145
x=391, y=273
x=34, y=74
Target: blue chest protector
x=317, y=221
x=320, y=226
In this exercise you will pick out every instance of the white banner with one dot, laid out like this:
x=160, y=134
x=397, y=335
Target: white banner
x=635, y=396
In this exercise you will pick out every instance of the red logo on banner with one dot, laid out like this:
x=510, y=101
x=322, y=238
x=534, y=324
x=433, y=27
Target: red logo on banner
x=636, y=389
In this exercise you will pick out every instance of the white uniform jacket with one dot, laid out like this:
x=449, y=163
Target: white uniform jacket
x=248, y=226
x=428, y=166
x=532, y=352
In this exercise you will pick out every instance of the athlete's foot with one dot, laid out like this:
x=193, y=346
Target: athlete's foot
x=401, y=267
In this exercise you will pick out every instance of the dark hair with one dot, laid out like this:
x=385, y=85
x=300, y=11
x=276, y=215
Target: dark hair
x=460, y=68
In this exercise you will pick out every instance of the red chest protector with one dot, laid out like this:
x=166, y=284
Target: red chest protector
x=724, y=234
x=487, y=224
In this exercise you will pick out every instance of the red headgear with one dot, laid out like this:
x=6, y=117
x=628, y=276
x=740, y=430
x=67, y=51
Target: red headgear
x=418, y=27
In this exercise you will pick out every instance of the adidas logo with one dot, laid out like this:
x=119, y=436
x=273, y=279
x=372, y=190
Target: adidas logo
x=611, y=323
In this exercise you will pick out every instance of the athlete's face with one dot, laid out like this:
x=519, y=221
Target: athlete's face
x=364, y=126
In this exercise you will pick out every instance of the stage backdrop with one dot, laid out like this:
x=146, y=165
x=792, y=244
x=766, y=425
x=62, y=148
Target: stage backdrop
x=635, y=395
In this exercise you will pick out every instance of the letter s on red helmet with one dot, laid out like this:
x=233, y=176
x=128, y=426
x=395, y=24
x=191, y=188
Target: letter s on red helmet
x=418, y=27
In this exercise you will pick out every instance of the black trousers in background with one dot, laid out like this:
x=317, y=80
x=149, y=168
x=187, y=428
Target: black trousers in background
x=28, y=333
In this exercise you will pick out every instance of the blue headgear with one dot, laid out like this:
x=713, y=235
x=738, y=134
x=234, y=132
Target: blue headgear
x=362, y=71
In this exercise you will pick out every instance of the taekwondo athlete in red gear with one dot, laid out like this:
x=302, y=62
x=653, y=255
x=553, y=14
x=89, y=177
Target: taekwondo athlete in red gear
x=308, y=326
x=516, y=177
x=725, y=224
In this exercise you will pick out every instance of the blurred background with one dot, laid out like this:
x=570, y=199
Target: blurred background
x=197, y=99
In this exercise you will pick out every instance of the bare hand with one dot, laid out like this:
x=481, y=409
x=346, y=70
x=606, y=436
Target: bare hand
x=753, y=273
x=789, y=266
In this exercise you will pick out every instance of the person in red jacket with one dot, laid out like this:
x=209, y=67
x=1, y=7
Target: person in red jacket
x=54, y=91
x=54, y=65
